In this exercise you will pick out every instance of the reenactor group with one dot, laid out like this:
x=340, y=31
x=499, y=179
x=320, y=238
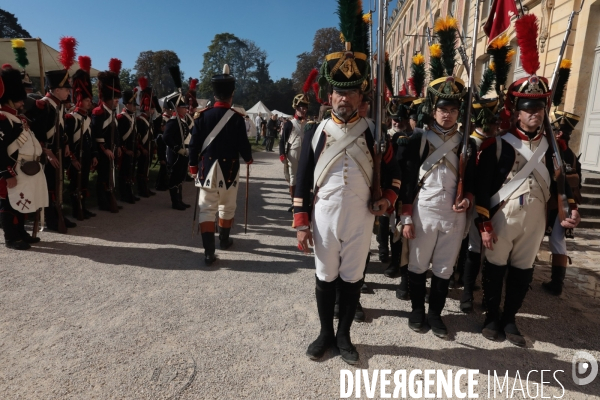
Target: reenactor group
x=447, y=203
x=41, y=138
x=439, y=200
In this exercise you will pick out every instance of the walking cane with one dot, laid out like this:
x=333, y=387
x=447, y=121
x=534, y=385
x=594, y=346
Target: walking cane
x=247, y=184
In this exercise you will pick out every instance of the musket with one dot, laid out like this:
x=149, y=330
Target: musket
x=402, y=69
x=133, y=148
x=463, y=52
x=59, y=173
x=112, y=201
x=431, y=22
x=467, y=123
x=379, y=109
x=559, y=172
x=78, y=194
x=36, y=223
x=247, y=187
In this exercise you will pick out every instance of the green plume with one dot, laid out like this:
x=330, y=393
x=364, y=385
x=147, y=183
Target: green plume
x=436, y=69
x=486, y=82
x=347, y=12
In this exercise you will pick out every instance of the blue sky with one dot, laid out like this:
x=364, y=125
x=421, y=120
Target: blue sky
x=123, y=29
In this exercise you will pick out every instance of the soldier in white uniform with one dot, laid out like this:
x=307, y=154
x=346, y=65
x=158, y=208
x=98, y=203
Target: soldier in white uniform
x=23, y=187
x=337, y=165
x=218, y=140
x=513, y=186
x=290, y=145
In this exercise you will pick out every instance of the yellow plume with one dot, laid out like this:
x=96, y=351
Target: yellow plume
x=492, y=66
x=435, y=50
x=418, y=59
x=18, y=43
x=500, y=41
x=509, y=56
x=342, y=38
x=445, y=23
x=565, y=64
x=367, y=18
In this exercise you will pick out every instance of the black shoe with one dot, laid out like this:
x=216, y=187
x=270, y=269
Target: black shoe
x=209, y=259
x=135, y=198
x=69, y=223
x=17, y=245
x=437, y=326
x=359, y=315
x=491, y=329
x=348, y=351
x=466, y=306
x=513, y=335
x=392, y=271
x=151, y=193
x=27, y=238
x=318, y=348
x=555, y=286
x=364, y=288
x=87, y=214
x=416, y=320
x=178, y=206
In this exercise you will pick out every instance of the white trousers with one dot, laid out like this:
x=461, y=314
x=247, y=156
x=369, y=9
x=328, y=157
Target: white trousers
x=342, y=227
x=557, y=241
x=217, y=199
x=520, y=230
x=293, y=157
x=435, y=244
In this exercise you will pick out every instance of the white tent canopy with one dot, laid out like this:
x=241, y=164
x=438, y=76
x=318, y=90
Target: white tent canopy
x=281, y=114
x=258, y=108
x=41, y=58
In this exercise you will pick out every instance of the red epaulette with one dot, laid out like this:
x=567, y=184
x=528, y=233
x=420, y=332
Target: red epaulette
x=98, y=110
x=69, y=116
x=41, y=104
x=2, y=117
x=198, y=113
x=487, y=143
x=120, y=116
x=562, y=144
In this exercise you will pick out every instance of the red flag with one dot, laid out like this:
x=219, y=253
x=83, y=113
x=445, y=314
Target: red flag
x=499, y=19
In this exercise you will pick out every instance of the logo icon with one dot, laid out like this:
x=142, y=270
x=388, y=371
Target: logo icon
x=585, y=368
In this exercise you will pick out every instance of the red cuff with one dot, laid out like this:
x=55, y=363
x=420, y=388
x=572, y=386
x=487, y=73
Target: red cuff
x=193, y=169
x=249, y=162
x=407, y=209
x=390, y=196
x=11, y=171
x=282, y=158
x=486, y=227
x=301, y=219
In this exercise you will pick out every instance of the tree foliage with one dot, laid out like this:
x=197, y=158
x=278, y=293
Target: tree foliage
x=155, y=66
x=10, y=27
x=326, y=41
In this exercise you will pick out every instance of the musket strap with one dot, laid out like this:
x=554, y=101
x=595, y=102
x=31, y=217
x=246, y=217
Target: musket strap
x=217, y=129
x=534, y=165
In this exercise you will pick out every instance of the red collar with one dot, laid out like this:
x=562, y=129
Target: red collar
x=222, y=104
x=298, y=118
x=81, y=111
x=51, y=96
x=518, y=132
x=9, y=110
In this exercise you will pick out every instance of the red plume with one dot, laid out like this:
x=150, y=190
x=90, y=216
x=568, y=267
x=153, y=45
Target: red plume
x=67, y=45
x=315, y=87
x=143, y=82
x=193, y=84
x=309, y=81
x=527, y=33
x=114, y=65
x=403, y=91
x=85, y=63
x=5, y=66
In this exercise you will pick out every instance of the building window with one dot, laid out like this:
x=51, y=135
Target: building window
x=485, y=11
x=424, y=40
x=465, y=21
x=410, y=19
x=418, y=8
x=452, y=8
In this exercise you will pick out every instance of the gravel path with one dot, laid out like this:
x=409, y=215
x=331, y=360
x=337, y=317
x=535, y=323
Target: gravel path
x=123, y=308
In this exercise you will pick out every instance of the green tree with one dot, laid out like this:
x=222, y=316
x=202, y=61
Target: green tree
x=154, y=65
x=280, y=96
x=128, y=80
x=247, y=62
x=10, y=27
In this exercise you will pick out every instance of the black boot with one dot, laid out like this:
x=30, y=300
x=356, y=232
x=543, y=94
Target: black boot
x=437, y=301
x=75, y=207
x=492, y=281
x=394, y=267
x=460, y=264
x=402, y=291
x=225, y=241
x=17, y=244
x=471, y=270
x=208, y=241
x=383, y=234
x=161, y=180
x=417, y=289
x=359, y=315
x=180, y=194
x=336, y=309
x=325, y=295
x=559, y=270
x=175, y=204
x=517, y=285
x=87, y=214
x=349, y=298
